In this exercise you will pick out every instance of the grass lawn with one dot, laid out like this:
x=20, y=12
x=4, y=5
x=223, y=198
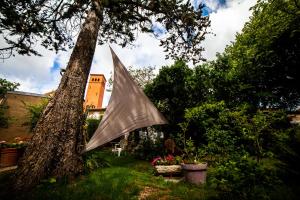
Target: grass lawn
x=125, y=178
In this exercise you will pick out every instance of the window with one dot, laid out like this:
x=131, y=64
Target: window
x=92, y=79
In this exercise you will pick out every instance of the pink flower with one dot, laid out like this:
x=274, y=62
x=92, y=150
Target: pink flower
x=154, y=161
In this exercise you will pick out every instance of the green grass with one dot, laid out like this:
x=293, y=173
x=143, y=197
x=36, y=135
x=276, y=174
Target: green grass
x=125, y=178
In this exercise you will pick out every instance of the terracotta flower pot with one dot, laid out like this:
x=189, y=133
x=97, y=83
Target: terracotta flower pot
x=9, y=157
x=195, y=173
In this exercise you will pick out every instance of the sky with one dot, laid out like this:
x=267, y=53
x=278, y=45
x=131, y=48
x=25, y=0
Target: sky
x=41, y=74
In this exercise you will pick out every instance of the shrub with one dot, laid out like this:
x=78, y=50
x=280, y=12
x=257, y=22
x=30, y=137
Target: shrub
x=35, y=112
x=148, y=149
x=3, y=118
x=92, y=125
x=243, y=178
x=5, y=86
x=95, y=160
x=244, y=147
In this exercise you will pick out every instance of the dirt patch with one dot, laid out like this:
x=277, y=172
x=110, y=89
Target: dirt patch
x=150, y=193
x=147, y=191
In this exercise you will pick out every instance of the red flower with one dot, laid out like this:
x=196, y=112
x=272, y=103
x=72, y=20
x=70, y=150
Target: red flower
x=170, y=157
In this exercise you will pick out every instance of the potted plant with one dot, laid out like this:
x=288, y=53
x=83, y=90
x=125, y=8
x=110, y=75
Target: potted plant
x=194, y=171
x=10, y=153
x=168, y=165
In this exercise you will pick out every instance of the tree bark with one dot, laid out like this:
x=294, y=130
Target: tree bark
x=57, y=142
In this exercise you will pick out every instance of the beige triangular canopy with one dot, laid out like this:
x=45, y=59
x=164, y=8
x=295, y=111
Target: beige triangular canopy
x=128, y=109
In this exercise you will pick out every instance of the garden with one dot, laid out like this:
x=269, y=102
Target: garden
x=230, y=132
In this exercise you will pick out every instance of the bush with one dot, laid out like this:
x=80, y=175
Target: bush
x=5, y=86
x=147, y=149
x=95, y=160
x=92, y=125
x=243, y=178
x=35, y=112
x=224, y=131
x=244, y=147
x=3, y=118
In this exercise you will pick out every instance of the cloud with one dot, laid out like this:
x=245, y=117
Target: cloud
x=225, y=23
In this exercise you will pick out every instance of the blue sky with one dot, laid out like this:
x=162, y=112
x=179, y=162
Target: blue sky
x=209, y=5
x=56, y=65
x=41, y=74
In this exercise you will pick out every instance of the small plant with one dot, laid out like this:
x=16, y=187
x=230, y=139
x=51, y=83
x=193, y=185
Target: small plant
x=35, y=112
x=12, y=145
x=93, y=161
x=18, y=144
x=190, y=152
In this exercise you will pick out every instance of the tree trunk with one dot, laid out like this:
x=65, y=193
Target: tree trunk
x=57, y=143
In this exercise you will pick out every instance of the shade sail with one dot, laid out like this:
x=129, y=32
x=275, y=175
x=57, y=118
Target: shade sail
x=128, y=109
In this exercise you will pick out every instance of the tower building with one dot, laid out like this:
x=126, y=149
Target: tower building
x=95, y=91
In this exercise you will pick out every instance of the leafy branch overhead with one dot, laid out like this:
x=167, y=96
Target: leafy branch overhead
x=54, y=24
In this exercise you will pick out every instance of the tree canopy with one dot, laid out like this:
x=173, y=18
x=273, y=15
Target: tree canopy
x=5, y=86
x=262, y=65
x=54, y=24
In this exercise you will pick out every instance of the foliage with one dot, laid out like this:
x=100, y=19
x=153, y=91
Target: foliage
x=167, y=90
x=238, y=142
x=243, y=178
x=176, y=88
x=167, y=160
x=95, y=160
x=5, y=86
x=54, y=23
x=13, y=145
x=190, y=152
x=290, y=158
x=261, y=66
x=4, y=120
x=225, y=131
x=92, y=125
x=35, y=112
x=148, y=149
